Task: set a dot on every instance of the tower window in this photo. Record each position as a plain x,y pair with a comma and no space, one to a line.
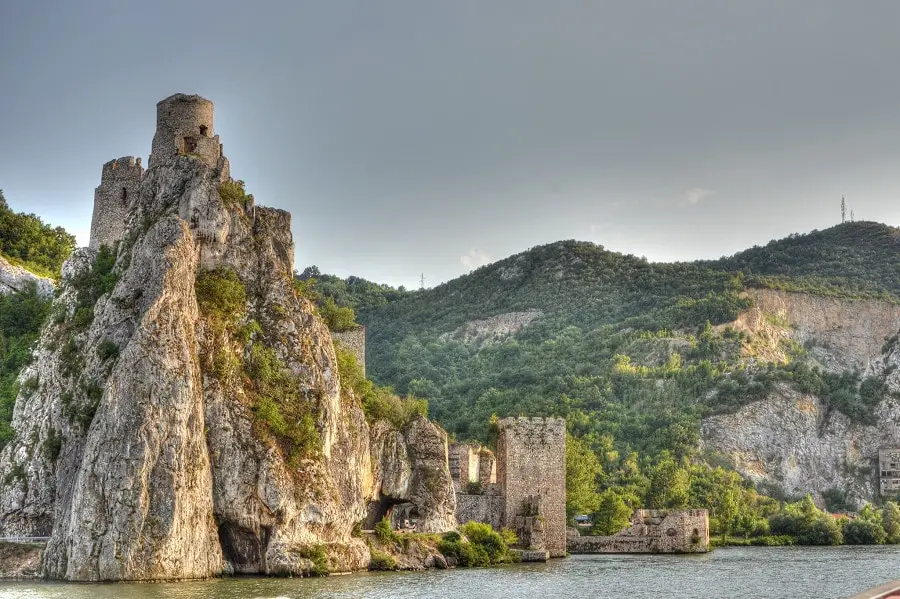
190,144
203,129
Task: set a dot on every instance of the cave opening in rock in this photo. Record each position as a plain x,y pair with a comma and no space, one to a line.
378,509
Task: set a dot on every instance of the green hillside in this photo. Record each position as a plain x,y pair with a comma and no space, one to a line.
629,351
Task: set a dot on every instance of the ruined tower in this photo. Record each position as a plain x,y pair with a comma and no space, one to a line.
184,125
120,183
531,471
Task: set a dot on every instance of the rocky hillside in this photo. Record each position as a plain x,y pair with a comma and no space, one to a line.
710,361
184,416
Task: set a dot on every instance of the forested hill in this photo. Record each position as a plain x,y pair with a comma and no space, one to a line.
595,303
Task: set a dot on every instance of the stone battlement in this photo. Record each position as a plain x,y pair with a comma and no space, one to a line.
122,165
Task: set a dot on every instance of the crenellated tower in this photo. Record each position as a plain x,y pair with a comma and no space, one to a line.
184,125
119,188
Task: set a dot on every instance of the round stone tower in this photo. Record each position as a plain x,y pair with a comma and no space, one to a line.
184,125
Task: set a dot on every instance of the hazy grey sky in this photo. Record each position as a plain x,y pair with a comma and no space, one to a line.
431,136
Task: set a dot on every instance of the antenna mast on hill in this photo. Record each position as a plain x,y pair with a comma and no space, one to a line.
422,282
843,210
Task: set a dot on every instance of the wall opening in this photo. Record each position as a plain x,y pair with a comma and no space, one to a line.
203,129
190,145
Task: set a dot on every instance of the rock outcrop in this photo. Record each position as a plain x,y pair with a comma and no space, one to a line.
792,442
411,469
169,429
493,329
15,278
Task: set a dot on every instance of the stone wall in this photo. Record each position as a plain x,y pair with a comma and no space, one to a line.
531,472
120,183
652,531
354,341
487,508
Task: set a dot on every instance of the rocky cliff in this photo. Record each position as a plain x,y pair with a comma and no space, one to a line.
15,278
184,417
791,441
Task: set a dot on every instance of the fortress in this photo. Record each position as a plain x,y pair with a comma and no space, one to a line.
184,125
522,488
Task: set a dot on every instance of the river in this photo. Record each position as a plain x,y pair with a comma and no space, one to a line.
740,572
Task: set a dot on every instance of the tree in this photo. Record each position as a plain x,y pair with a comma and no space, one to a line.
582,470
669,483
612,516
890,519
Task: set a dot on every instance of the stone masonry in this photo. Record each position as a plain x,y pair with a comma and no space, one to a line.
184,125
531,472
522,488
120,183
652,531
353,341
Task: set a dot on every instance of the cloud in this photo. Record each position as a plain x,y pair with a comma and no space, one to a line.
474,259
695,195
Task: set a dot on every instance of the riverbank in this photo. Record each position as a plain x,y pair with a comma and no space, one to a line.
746,572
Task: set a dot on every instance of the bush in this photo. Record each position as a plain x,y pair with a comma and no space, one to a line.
382,561
474,488
107,350
772,541
233,193
821,531
385,532
221,294
316,554
863,532
337,318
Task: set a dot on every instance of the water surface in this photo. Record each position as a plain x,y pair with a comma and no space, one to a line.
745,572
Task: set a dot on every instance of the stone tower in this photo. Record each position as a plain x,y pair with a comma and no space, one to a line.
119,187
531,471
184,125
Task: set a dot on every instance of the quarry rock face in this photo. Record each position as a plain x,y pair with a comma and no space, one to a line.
793,442
15,278
149,444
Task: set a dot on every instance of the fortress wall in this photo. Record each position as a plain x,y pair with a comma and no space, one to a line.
120,182
531,471
652,531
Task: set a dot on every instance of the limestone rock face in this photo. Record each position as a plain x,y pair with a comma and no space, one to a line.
15,278
410,466
143,458
791,441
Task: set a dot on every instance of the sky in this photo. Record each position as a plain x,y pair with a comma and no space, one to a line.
412,137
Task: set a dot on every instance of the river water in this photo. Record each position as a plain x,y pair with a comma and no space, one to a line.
740,572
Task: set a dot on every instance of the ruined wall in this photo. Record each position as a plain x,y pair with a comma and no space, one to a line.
354,341
120,182
652,531
531,472
487,508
